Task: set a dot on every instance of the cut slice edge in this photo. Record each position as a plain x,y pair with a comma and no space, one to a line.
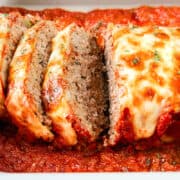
26,75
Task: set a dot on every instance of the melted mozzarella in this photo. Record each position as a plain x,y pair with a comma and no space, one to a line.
144,59
59,111
18,102
4,31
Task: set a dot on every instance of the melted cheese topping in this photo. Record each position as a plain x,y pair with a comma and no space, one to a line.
58,108
146,66
4,32
22,56
19,104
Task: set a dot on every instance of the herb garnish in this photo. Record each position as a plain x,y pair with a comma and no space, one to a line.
156,56
5,14
158,156
156,30
126,51
133,27
77,63
135,61
148,162
27,23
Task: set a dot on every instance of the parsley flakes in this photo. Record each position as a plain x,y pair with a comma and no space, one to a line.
156,56
148,162
135,61
127,51
27,23
5,14
133,26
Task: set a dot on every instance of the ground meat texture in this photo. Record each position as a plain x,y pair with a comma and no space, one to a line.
142,91
74,88
38,64
26,75
87,84
17,29
12,26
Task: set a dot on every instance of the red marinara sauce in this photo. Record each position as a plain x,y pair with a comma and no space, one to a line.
17,155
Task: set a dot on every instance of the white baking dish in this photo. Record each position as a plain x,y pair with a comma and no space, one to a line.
86,5
94,176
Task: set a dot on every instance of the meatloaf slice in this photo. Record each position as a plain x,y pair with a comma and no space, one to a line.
12,27
74,87
143,66
25,78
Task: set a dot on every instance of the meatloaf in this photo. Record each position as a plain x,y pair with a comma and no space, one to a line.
143,71
25,79
12,27
74,87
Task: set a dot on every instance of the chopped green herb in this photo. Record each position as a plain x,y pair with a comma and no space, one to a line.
156,30
62,46
158,156
156,56
133,27
126,51
5,14
23,51
148,162
77,63
135,61
178,72
76,98
27,23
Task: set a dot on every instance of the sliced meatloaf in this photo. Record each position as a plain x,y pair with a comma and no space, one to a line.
143,67
25,79
12,27
74,87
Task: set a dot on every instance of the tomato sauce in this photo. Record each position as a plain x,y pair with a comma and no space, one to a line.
18,155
